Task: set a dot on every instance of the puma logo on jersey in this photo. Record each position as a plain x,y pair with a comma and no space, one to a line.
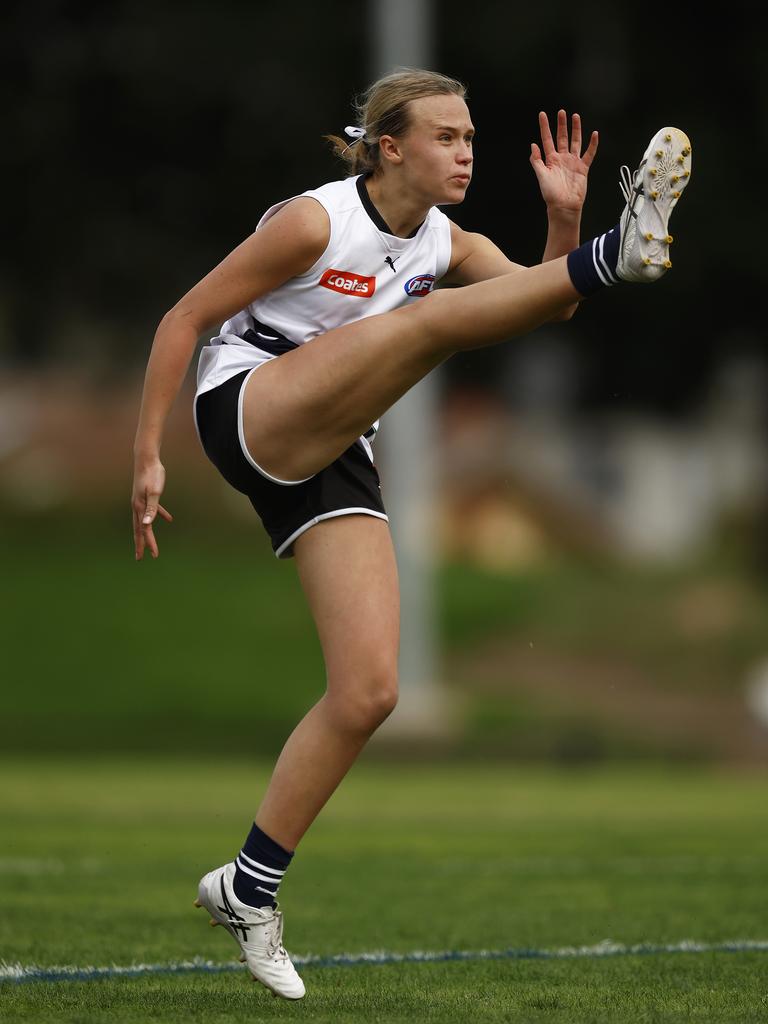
391,263
420,285
348,283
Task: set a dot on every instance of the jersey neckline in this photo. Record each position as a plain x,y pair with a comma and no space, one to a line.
373,213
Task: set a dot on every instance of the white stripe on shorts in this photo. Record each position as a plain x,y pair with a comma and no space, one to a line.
328,515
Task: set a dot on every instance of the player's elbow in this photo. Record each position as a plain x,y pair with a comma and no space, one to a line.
183,314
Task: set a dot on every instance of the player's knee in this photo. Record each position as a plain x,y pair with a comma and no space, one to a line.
376,711
361,708
435,312
365,712
384,702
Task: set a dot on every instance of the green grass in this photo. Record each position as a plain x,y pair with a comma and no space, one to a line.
101,857
107,654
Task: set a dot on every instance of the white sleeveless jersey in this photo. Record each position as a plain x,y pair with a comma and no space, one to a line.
363,271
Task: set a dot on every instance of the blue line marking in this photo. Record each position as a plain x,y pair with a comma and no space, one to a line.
20,974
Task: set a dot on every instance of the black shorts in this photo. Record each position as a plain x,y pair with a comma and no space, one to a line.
349,485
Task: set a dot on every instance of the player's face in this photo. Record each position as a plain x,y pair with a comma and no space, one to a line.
437,148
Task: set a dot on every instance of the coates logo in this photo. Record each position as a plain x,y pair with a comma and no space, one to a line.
421,285
347,283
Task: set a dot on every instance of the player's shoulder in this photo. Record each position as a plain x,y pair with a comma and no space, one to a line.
297,229
437,219
342,194
314,203
462,242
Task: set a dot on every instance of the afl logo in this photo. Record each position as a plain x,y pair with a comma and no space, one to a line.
420,285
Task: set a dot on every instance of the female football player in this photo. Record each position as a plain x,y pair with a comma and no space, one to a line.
330,314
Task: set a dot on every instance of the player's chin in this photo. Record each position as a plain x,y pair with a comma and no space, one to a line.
457,189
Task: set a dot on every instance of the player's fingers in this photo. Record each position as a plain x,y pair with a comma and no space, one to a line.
165,513
150,509
149,540
562,131
591,150
546,135
535,153
138,536
576,135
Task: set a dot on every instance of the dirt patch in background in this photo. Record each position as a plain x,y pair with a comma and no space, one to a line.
613,697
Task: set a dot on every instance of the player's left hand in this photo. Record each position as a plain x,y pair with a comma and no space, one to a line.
562,170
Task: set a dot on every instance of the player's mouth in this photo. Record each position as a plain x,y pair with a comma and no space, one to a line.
463,179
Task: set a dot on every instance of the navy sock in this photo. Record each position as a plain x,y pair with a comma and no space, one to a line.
259,869
593,265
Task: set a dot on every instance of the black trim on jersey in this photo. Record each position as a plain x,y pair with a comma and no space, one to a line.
373,213
268,339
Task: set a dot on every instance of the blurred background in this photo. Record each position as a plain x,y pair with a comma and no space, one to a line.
599,519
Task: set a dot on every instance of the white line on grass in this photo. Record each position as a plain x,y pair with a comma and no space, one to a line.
48,866
71,972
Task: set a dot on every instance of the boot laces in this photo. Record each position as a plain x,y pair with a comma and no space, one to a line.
274,938
630,189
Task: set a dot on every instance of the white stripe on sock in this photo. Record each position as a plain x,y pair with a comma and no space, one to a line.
609,272
255,874
256,864
596,265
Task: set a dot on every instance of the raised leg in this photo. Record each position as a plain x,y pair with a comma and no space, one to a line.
303,409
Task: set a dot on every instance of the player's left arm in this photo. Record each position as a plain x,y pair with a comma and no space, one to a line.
475,258
561,170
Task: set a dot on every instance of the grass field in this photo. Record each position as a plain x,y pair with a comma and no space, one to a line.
571,659
101,858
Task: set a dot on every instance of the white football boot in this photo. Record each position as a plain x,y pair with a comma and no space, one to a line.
651,194
258,932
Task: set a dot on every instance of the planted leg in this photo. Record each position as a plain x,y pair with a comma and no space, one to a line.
357,614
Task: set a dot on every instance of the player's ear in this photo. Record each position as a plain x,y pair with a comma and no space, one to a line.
389,148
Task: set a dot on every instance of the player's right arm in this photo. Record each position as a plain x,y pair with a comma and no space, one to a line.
287,245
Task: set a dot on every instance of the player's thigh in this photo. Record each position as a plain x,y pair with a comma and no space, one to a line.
348,572
302,409
329,391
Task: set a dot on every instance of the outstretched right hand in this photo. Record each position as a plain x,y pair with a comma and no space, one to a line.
148,483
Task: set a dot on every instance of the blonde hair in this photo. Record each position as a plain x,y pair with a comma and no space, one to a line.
383,110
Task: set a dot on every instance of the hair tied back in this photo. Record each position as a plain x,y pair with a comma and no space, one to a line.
356,134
